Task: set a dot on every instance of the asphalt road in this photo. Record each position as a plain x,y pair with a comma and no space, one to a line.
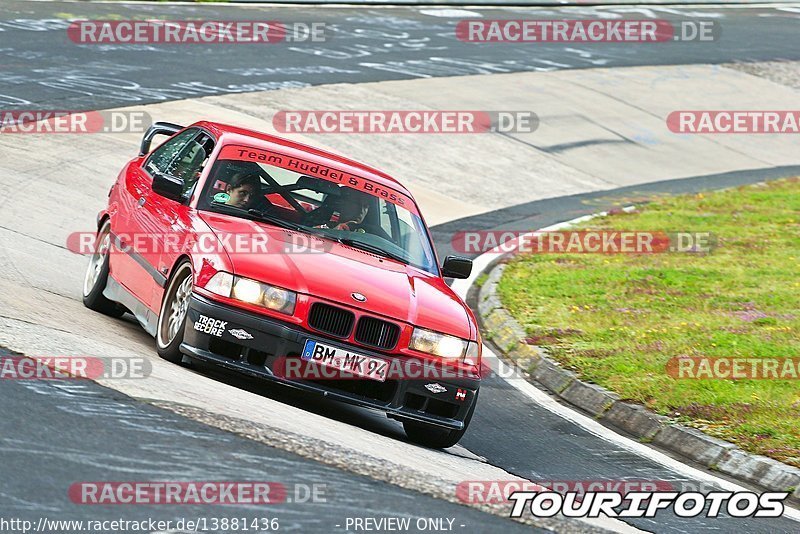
85,432
54,435
59,433
43,69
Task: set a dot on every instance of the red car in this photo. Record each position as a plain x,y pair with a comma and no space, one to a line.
282,261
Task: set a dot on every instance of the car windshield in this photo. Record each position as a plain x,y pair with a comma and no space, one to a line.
369,217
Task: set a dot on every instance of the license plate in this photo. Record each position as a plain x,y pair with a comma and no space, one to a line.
345,361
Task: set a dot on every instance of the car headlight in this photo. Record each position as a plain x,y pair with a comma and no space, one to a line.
247,290
252,292
437,344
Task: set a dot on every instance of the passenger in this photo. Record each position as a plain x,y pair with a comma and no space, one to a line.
242,189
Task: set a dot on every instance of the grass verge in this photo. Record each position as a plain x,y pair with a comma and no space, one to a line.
618,319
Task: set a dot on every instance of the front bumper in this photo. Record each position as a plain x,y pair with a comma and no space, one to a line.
262,346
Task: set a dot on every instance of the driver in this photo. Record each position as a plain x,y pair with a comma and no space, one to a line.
353,209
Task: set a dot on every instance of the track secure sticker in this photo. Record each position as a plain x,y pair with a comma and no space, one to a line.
207,325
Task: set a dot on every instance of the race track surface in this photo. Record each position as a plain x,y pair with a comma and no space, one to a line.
207,425
42,68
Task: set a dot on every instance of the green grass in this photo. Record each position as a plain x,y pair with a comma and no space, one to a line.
617,319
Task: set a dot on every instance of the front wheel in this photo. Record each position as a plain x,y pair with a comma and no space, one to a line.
94,282
172,319
436,437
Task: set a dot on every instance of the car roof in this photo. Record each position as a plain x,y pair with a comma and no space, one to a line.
227,134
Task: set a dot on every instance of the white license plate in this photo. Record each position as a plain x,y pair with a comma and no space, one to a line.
345,361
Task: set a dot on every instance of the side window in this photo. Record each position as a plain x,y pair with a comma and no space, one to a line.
410,229
162,158
190,162
387,214
184,156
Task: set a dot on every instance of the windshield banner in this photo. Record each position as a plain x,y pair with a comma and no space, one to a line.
302,166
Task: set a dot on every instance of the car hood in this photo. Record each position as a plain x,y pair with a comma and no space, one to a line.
332,271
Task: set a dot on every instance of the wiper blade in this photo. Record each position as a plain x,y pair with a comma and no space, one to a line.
260,215
277,221
355,243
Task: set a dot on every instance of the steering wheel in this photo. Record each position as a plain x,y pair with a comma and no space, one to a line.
318,216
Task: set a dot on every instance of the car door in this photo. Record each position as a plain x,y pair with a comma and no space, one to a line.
146,219
173,220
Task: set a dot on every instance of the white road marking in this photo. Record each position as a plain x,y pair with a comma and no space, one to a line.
451,13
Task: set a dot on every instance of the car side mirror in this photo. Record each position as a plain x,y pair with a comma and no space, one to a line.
456,267
168,186
159,128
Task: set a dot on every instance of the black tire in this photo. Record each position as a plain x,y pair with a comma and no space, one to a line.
169,335
96,278
437,437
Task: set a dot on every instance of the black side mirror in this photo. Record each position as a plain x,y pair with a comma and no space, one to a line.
456,267
168,186
159,128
